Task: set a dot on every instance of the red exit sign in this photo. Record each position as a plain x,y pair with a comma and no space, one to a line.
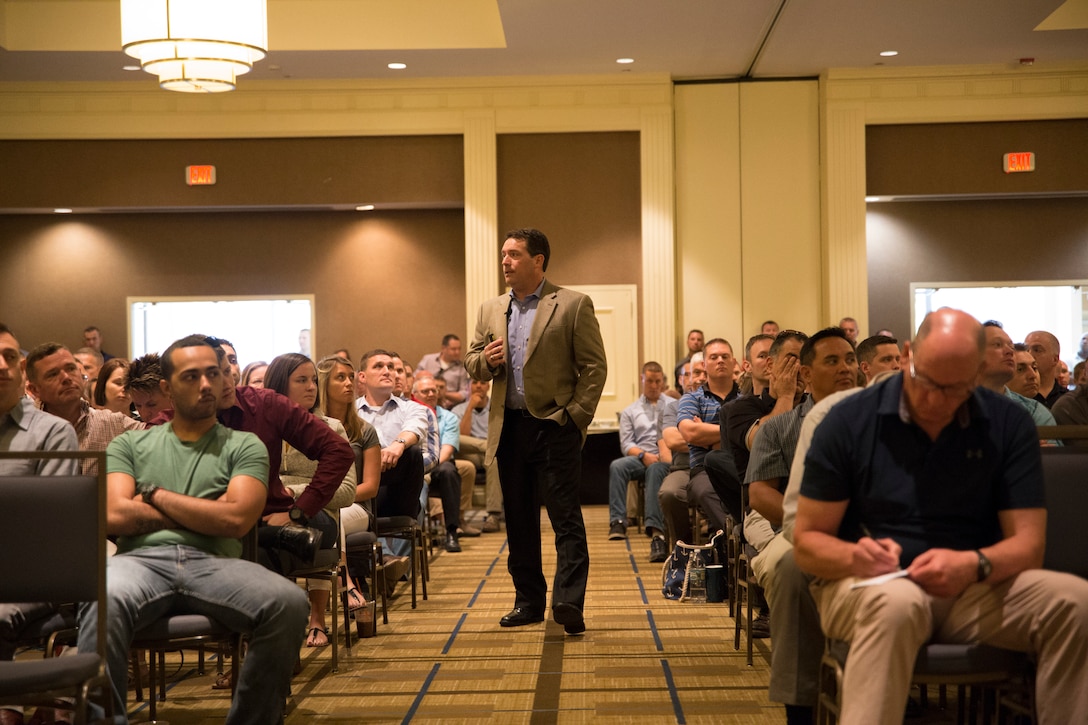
199,175
1020,161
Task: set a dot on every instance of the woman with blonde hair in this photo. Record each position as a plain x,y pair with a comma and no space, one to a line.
253,374
336,401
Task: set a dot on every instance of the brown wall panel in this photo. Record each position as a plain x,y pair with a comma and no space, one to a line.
966,241
421,170
391,279
583,190
966,158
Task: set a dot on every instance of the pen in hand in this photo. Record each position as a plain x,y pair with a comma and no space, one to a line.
865,530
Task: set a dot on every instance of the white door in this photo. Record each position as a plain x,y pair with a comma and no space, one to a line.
616,306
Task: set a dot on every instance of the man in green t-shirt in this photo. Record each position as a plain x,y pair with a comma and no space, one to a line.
180,496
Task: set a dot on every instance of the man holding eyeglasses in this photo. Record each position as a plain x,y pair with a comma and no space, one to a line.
928,475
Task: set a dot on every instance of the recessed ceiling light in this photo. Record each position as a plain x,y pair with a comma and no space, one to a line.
62,210
625,60
365,207
397,66
130,67
889,53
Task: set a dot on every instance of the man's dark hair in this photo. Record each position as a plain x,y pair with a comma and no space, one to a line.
652,367
768,322
785,336
91,328
1020,347
808,350
278,375
446,339
5,330
167,364
752,341
717,341
143,374
695,329
867,347
993,323
535,242
371,353
41,351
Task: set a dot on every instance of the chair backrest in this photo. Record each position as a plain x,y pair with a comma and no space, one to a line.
69,566
1065,475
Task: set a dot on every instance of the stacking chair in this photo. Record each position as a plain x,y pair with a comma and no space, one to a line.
408,528
61,570
742,581
365,544
326,566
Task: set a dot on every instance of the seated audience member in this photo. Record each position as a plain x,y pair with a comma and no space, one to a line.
253,374
694,344
109,391
999,367
971,553
402,428
55,379
850,327
142,386
645,458
446,364
770,327
1025,380
294,376
336,400
445,479
698,421
465,469
290,525
180,497
90,360
828,365
232,359
877,354
25,428
1046,350
1072,409
674,496
473,415
1079,376
92,338
776,389
1063,374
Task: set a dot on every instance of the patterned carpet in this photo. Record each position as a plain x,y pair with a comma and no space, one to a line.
644,659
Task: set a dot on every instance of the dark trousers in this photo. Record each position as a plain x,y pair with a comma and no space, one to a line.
541,462
446,484
401,485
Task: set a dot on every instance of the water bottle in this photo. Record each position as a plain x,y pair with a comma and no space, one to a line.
697,577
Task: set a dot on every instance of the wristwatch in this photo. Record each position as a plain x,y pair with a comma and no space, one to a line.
642,455
298,516
402,442
148,492
985,568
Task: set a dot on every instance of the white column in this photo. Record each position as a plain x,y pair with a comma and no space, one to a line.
658,237
481,213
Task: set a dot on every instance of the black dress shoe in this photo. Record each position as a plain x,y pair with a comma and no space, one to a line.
520,616
300,541
570,616
452,544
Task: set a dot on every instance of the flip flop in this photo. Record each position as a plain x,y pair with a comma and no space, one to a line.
356,600
311,641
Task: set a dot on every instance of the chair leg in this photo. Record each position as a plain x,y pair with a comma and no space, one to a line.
334,580
379,586
137,660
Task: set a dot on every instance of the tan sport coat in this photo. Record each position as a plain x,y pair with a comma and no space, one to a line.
565,366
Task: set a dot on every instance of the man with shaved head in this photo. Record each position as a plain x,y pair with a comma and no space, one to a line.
928,474
1045,348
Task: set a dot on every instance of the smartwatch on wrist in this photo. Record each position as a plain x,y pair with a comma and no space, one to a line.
985,568
298,516
148,492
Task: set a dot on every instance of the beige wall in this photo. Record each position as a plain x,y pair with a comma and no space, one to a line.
748,207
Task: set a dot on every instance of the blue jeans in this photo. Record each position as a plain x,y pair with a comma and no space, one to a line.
150,583
630,468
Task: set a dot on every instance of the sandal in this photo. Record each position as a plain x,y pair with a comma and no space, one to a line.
223,680
313,641
356,600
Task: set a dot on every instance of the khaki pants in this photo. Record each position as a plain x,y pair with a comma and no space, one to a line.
1041,612
474,450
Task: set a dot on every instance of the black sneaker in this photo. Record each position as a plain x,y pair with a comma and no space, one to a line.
761,627
658,550
617,531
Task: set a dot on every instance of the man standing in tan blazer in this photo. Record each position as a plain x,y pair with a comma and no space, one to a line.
541,345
